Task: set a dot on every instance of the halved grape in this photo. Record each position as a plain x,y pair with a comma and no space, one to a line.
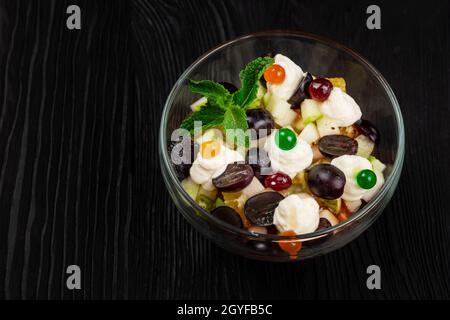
302,92
229,215
368,129
337,145
259,209
326,181
235,177
261,121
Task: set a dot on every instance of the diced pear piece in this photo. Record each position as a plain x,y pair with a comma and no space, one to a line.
310,110
190,187
365,146
326,214
377,164
327,126
253,188
353,206
281,111
310,133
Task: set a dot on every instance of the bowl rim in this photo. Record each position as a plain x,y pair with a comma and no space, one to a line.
391,180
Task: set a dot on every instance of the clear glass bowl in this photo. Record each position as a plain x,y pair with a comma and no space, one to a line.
321,57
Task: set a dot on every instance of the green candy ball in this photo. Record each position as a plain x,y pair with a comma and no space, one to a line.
285,139
366,179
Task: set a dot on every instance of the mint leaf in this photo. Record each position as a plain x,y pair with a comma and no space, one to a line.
235,125
209,115
249,80
216,93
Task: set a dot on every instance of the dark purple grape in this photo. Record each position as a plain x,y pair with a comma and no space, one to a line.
367,128
259,160
326,181
185,151
323,224
261,121
229,86
337,145
229,215
235,177
301,93
259,209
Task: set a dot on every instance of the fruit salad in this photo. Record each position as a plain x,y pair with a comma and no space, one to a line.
287,152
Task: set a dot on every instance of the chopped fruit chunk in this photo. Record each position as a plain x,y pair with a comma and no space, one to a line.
275,74
334,205
278,181
365,146
290,246
366,179
310,110
326,214
236,200
286,139
338,83
205,202
319,89
209,149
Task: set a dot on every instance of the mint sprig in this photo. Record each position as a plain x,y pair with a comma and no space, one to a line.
225,109
249,81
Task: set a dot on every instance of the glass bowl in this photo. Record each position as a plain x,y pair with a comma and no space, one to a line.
321,57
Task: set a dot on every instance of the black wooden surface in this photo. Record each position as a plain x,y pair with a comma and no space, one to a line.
79,175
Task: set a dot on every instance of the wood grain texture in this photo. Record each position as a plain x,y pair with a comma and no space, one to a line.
80,181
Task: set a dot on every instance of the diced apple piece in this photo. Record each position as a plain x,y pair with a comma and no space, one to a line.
310,110
365,146
310,133
212,194
327,126
326,214
353,206
190,187
281,111
199,103
253,188
377,164
299,124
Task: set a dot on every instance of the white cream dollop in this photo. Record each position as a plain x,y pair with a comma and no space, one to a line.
341,107
297,212
293,75
291,161
203,170
350,165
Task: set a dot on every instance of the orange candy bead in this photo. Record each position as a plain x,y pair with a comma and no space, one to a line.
275,74
290,246
209,149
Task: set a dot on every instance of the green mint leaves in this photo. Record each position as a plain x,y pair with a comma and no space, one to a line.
217,95
249,80
227,110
